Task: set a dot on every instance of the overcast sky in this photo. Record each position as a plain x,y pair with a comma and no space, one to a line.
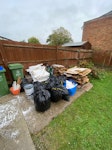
22,19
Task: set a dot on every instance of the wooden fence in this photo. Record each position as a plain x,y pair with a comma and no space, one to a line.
102,58
32,54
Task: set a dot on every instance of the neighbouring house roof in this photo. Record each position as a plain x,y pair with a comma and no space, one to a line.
75,44
109,14
106,15
4,38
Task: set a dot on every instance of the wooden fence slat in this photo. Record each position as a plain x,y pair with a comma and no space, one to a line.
32,54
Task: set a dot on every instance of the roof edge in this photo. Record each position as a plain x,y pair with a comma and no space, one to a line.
106,15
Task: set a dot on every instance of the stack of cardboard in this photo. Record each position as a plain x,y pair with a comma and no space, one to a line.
78,74
58,69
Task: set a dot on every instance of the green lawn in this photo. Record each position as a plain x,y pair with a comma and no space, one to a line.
85,125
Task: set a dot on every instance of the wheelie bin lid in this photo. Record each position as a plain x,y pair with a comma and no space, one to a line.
15,66
2,69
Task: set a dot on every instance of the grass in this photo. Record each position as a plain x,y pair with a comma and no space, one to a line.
85,125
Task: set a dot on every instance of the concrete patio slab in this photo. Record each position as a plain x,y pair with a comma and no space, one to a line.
14,133
36,121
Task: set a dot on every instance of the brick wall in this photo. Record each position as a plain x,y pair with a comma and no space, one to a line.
99,33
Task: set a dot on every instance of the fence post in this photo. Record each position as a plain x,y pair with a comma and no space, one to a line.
4,59
110,58
78,57
56,54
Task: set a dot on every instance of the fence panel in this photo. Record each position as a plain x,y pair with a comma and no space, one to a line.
32,54
103,58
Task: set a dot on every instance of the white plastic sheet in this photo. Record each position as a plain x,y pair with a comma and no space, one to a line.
70,84
38,73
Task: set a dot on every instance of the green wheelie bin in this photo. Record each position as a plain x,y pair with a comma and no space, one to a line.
16,70
4,89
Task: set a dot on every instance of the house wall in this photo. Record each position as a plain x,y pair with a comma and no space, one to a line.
99,33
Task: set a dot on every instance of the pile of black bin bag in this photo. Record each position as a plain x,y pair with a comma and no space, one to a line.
50,90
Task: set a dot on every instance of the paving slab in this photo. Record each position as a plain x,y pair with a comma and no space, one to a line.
14,133
36,121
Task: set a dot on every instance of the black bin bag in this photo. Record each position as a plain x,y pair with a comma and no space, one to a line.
38,86
50,82
59,92
65,95
42,100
